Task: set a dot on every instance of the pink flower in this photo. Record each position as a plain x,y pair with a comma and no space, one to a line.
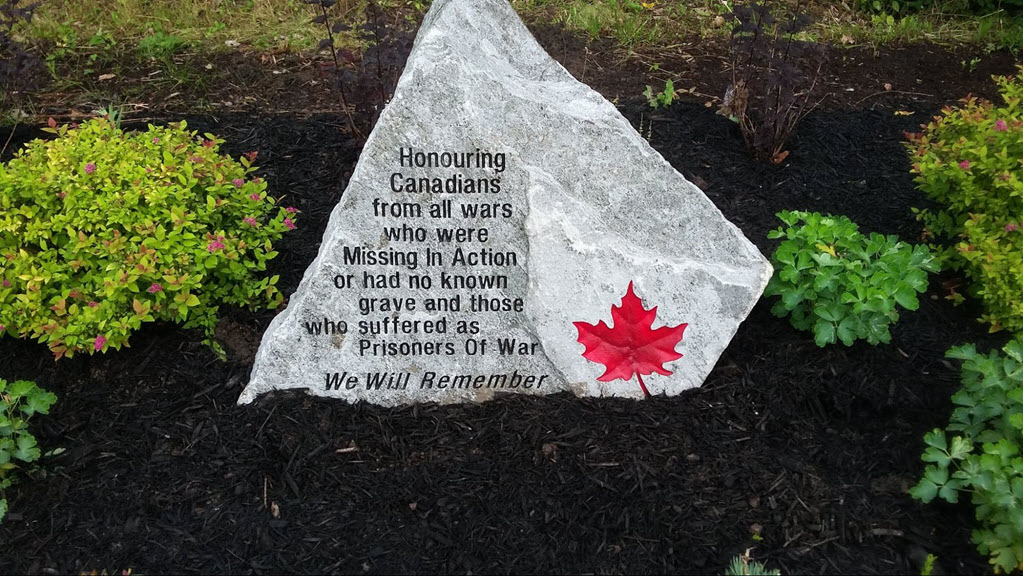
99,343
254,196
93,304
6,283
965,165
1011,227
2,327
154,288
215,245
291,209
90,168
288,222
156,140
1000,126
238,182
250,221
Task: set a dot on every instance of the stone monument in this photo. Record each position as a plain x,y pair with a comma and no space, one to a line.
498,212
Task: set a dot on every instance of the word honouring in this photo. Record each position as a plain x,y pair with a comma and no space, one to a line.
411,157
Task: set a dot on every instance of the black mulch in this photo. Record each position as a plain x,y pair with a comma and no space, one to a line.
814,449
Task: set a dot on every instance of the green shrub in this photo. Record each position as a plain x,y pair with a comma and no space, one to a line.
968,160
983,455
835,281
18,402
102,230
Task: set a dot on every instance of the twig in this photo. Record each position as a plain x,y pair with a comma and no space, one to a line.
337,72
9,137
892,92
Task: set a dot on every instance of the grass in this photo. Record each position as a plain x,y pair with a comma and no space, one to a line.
161,28
87,43
208,24
635,24
995,31
630,23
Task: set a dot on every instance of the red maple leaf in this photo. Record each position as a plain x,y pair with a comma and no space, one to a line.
631,346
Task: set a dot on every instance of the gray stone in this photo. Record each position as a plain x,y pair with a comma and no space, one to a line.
585,207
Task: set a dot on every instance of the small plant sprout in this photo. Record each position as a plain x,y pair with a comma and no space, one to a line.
662,99
744,565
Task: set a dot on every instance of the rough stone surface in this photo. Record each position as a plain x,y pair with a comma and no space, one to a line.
593,207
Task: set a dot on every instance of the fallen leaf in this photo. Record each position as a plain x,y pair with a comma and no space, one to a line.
275,510
846,39
887,86
103,77
51,122
631,346
778,158
903,113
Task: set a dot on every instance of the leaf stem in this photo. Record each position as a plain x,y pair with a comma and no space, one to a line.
642,387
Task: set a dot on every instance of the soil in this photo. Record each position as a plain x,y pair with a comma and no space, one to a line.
811,450
853,77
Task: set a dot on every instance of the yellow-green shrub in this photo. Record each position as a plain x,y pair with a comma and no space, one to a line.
102,230
968,160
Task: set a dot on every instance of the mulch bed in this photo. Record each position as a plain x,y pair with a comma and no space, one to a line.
812,449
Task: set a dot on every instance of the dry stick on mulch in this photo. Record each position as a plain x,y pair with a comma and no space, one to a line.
855,104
